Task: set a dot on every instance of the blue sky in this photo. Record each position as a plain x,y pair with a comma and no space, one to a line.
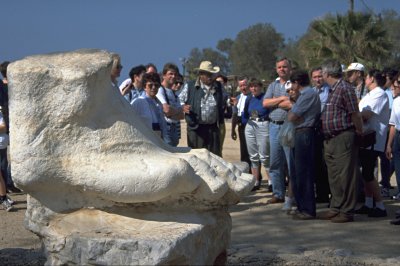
155,31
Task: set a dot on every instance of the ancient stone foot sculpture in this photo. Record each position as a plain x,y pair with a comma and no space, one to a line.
77,143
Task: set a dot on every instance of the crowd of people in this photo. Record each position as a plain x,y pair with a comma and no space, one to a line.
340,126
329,113
340,129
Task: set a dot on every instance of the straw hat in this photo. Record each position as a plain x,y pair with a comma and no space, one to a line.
208,67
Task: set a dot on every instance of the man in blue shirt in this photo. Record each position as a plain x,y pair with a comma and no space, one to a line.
320,86
321,173
304,115
132,88
277,100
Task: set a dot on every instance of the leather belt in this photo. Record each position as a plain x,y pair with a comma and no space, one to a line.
276,122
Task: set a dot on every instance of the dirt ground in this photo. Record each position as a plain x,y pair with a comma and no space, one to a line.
261,234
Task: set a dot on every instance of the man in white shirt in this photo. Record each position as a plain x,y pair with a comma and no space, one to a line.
173,111
355,73
239,103
374,109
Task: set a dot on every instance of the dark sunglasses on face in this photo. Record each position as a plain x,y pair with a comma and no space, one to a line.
151,85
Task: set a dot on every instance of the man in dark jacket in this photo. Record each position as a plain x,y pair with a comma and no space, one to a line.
206,110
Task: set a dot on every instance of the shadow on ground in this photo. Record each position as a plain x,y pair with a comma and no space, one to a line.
21,256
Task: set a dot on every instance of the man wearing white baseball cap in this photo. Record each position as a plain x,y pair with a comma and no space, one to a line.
355,76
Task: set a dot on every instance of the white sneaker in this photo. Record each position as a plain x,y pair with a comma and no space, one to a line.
396,197
10,200
288,204
6,205
293,211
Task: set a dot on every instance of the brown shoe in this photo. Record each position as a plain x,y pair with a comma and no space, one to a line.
274,200
303,216
327,215
342,218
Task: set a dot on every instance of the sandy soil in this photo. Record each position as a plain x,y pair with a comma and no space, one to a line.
262,234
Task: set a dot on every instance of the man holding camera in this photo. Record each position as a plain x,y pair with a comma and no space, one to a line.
205,113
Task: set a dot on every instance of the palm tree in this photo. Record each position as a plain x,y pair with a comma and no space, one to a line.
354,37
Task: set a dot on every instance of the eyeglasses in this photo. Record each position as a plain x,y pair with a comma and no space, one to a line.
152,85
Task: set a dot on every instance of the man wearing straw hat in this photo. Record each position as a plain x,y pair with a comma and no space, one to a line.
206,109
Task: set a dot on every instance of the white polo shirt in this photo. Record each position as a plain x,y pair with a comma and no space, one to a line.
377,102
395,115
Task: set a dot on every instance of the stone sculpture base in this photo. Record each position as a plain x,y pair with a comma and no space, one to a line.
128,237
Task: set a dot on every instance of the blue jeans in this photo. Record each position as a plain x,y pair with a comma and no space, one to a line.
303,176
172,136
278,154
396,157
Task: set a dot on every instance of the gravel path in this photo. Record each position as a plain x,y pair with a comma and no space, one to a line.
265,235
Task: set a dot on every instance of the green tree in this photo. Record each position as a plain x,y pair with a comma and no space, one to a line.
225,45
291,51
391,21
253,52
354,37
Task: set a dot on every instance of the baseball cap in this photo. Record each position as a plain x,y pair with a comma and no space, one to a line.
355,66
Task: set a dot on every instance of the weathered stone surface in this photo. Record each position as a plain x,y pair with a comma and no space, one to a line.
105,189
90,236
76,142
